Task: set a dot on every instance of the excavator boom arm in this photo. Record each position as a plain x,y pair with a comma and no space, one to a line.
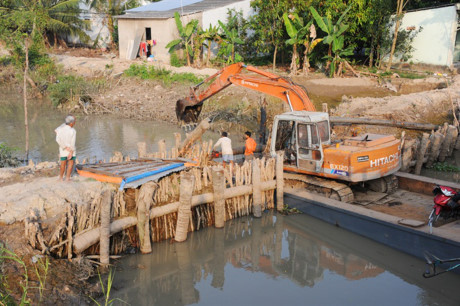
188,109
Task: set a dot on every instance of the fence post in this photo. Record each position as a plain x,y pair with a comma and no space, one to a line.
279,181
141,149
218,184
162,148
105,228
256,191
143,202
187,184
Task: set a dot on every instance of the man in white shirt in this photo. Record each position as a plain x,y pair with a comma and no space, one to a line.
227,151
65,137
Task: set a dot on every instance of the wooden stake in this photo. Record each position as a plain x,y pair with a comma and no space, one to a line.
144,202
436,145
162,148
218,183
141,149
256,192
421,153
105,228
279,181
187,185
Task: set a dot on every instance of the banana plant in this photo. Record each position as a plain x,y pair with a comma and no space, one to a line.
211,34
230,38
334,38
186,37
297,31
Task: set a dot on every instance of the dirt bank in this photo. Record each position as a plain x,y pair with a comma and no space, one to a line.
35,190
153,100
432,106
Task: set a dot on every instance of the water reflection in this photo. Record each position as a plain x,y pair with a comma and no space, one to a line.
278,260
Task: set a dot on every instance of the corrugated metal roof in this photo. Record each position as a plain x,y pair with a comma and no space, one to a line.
191,8
162,6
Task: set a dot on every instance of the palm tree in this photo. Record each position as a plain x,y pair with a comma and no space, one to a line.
62,17
110,8
186,37
231,38
211,35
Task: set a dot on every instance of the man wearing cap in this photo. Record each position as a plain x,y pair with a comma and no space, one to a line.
65,137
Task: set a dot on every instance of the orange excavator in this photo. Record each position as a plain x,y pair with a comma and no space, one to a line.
310,156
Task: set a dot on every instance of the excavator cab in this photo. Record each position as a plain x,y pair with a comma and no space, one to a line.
301,136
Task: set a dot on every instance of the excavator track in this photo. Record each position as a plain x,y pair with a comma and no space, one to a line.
331,189
387,184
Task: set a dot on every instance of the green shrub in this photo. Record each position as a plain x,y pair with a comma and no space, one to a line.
166,76
7,156
66,87
5,60
175,61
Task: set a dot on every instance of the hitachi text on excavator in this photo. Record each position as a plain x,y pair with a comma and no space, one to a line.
310,156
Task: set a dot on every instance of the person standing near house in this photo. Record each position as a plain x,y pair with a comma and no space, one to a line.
250,146
65,137
226,145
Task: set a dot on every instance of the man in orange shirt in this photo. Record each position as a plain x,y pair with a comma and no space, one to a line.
250,146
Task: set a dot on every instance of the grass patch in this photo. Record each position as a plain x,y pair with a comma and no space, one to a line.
167,77
69,88
444,167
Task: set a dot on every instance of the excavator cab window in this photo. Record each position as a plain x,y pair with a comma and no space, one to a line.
309,141
286,141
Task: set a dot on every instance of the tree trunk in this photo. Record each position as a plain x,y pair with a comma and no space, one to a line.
294,60
55,41
371,53
188,55
274,57
110,28
400,7
306,62
26,121
208,56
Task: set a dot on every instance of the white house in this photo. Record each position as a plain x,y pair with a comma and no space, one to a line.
155,21
437,43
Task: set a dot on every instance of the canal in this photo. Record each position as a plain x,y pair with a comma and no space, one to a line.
279,260
97,136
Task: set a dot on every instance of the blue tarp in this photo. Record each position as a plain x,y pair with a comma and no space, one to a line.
137,180
162,6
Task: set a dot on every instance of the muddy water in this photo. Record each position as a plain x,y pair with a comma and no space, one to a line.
97,136
279,260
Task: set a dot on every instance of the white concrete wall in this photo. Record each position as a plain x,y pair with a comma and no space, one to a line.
163,31
211,17
436,42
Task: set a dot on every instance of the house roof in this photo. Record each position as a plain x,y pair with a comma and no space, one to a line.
166,8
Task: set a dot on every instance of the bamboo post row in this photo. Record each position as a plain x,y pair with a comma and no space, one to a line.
87,238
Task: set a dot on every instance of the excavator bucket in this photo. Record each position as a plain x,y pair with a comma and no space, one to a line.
186,112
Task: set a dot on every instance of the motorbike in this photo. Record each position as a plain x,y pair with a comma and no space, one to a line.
445,205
